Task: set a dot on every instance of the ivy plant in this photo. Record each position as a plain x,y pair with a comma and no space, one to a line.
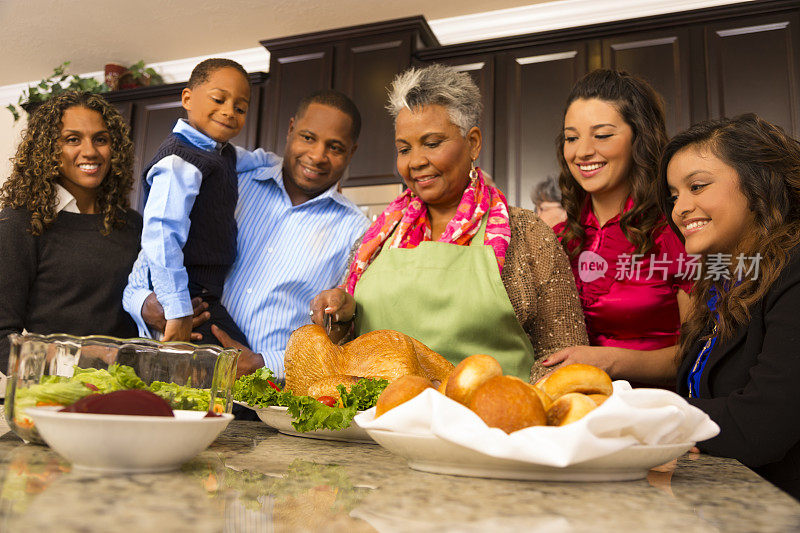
57,82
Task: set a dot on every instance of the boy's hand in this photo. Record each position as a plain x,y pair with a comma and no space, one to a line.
178,329
153,314
249,361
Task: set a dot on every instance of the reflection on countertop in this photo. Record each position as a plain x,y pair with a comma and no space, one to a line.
253,479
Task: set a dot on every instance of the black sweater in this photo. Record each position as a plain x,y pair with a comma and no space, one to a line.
67,280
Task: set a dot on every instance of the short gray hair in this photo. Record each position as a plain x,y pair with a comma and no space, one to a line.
437,85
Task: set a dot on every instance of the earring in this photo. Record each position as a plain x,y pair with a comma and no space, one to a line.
473,173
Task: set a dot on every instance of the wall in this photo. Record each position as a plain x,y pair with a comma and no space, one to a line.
10,135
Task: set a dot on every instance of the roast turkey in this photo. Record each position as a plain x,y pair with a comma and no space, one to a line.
314,365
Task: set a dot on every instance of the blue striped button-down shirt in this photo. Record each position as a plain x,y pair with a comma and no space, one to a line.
286,255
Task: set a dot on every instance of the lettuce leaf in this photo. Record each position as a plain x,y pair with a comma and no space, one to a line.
53,379
364,394
255,389
307,413
126,377
63,393
59,390
181,396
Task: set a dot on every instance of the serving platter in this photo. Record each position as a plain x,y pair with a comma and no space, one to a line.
280,419
429,453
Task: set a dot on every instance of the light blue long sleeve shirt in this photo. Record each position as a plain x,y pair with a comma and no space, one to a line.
174,185
285,256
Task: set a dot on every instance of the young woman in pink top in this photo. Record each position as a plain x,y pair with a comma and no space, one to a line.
630,268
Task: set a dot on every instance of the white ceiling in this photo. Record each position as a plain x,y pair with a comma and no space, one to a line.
37,35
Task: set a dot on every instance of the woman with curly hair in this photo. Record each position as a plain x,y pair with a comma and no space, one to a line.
732,188
67,236
627,262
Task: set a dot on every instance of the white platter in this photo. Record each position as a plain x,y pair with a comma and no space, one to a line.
279,418
429,453
127,444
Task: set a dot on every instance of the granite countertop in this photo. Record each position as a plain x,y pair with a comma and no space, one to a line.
253,479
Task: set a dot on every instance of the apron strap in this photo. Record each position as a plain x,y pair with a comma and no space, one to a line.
479,238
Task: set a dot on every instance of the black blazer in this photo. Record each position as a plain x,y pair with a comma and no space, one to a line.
751,385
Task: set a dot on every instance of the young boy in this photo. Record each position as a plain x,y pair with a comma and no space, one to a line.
189,234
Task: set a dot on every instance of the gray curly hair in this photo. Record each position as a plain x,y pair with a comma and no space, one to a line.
437,85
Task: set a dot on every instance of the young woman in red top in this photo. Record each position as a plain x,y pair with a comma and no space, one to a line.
630,268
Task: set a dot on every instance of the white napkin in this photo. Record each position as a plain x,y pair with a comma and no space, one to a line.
628,417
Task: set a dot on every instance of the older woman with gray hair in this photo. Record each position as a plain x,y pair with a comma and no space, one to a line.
448,262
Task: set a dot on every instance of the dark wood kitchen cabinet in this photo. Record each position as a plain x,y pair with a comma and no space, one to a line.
706,63
753,64
663,59
533,85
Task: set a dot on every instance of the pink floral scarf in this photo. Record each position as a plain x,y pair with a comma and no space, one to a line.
406,221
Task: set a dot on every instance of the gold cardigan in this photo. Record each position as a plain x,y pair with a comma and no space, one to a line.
539,282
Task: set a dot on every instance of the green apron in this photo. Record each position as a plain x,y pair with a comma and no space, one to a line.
447,296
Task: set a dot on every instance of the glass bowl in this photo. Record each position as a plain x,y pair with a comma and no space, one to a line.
188,376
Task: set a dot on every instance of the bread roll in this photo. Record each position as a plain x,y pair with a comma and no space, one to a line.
443,385
578,377
539,381
543,397
508,403
569,408
470,374
598,398
400,391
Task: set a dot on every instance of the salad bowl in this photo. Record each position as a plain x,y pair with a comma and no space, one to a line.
60,369
127,444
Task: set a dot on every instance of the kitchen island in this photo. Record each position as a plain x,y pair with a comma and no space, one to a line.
253,479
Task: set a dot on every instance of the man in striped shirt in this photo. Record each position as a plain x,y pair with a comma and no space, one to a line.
295,233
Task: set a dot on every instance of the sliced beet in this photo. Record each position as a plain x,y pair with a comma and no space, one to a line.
123,402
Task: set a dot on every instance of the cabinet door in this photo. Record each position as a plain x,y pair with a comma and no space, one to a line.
294,74
481,69
662,58
126,110
364,71
753,67
153,120
532,86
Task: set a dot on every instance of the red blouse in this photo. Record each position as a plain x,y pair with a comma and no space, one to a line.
629,301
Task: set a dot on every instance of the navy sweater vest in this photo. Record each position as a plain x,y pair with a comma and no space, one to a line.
210,248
